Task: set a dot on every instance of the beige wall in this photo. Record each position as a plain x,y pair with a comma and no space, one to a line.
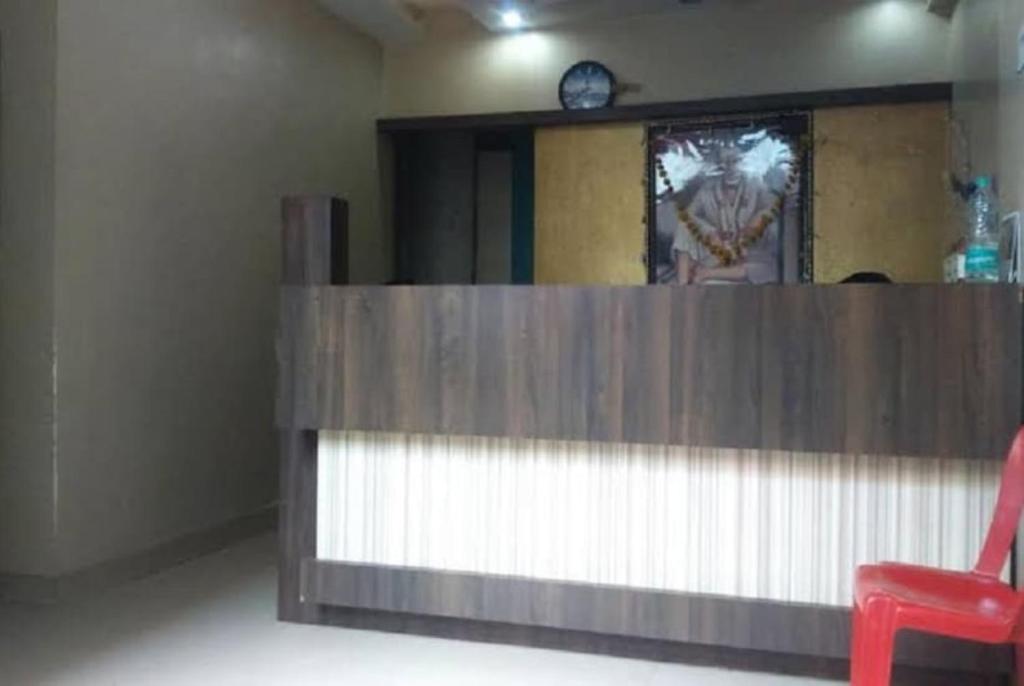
27,70
1011,107
711,50
179,126
975,68
988,105
989,95
590,205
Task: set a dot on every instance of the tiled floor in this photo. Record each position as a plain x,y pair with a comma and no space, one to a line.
212,622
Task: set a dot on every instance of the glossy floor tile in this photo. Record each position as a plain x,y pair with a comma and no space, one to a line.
212,621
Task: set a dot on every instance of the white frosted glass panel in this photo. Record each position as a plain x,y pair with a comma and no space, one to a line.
757,524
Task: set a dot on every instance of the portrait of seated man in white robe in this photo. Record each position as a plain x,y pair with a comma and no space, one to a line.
728,206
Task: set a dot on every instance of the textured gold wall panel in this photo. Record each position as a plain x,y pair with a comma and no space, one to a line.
880,196
590,205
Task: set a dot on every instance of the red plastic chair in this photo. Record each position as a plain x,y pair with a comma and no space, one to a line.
974,605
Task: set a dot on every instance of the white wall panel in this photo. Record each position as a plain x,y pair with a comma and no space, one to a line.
756,524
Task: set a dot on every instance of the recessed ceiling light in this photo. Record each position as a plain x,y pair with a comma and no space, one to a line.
512,19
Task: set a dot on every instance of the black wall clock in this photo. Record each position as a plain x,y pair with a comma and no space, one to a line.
587,86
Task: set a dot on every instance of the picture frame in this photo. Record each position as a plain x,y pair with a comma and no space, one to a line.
730,200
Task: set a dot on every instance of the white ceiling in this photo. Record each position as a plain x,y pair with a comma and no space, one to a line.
545,13
389,21
397,21
401,21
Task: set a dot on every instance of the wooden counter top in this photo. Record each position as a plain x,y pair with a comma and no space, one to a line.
898,370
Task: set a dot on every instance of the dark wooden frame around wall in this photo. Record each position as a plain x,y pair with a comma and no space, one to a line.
805,100
404,131
782,637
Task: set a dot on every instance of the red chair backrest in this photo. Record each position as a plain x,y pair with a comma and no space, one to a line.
1008,507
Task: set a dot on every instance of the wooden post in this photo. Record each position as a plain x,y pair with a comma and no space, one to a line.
314,249
314,252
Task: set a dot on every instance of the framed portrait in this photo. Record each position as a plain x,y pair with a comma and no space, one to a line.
729,201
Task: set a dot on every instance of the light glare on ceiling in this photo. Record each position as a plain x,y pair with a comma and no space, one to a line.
512,19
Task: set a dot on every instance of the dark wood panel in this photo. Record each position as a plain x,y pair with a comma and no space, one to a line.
435,222
638,648
898,370
883,95
756,625
297,524
314,252
314,247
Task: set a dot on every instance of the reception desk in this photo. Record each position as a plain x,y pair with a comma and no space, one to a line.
677,473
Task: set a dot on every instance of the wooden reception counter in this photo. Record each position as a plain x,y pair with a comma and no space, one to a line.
375,383
893,370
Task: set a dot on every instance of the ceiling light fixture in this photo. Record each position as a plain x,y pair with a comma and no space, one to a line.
512,19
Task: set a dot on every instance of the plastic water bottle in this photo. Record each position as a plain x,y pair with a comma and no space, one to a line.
982,259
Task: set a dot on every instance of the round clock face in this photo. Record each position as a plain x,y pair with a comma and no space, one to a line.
587,86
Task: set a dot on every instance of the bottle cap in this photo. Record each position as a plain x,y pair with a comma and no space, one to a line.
982,182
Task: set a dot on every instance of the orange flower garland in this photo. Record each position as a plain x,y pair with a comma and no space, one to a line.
726,254
733,252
